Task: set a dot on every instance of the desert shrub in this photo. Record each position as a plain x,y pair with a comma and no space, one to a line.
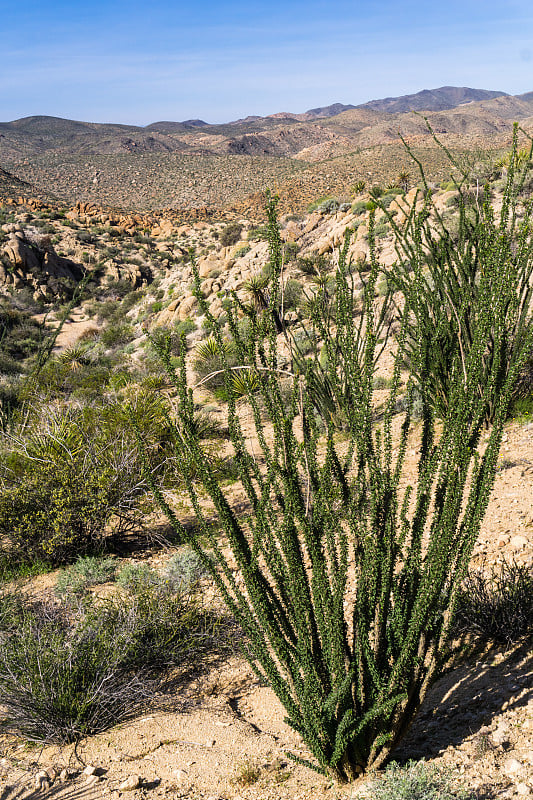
292,294
211,358
170,340
328,206
497,603
82,370
75,670
258,233
466,197
106,310
130,299
184,327
290,251
359,207
324,205
138,578
359,187
52,514
184,570
20,338
86,237
231,234
376,191
86,571
416,780
314,264
11,401
207,425
242,251
116,335
71,478
343,577
382,229
381,382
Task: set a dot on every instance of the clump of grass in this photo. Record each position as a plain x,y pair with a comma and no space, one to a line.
417,780
247,772
497,605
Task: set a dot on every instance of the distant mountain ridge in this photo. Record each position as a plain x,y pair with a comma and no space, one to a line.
442,99
87,160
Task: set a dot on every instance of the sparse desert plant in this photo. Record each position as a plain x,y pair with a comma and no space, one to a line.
184,570
332,520
246,773
497,603
138,578
258,233
416,780
242,251
314,264
359,207
77,669
86,571
290,251
359,187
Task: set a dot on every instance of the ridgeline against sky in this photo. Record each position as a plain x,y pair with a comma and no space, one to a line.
137,62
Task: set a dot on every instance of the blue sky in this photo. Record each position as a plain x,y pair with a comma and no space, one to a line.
132,62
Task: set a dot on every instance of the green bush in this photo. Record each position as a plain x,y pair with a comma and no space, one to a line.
258,233
138,578
314,264
292,294
75,476
184,570
242,251
231,234
290,251
20,338
117,335
185,327
359,207
210,359
324,205
52,514
343,577
107,310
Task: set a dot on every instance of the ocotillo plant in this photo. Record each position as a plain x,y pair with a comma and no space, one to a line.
342,577
444,264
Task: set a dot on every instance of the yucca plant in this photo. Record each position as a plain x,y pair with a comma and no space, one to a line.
344,577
